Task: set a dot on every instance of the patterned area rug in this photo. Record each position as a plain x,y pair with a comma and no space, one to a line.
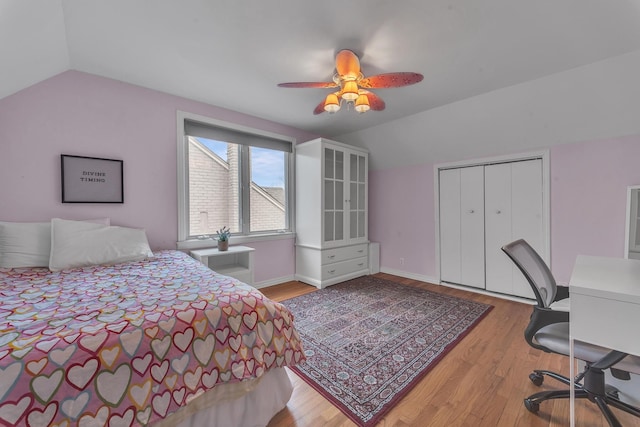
368,341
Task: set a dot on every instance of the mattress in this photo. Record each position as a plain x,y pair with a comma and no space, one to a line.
132,343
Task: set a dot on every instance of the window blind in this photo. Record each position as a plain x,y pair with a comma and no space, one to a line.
204,130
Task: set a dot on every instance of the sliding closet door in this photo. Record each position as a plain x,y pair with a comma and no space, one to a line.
472,226
513,203
462,226
526,208
499,274
450,251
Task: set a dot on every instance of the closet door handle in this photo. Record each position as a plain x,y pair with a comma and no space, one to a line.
471,211
498,211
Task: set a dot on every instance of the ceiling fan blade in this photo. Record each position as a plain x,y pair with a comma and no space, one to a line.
375,102
388,80
320,85
319,109
347,64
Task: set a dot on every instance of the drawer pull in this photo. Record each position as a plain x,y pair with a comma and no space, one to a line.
360,251
331,256
332,271
361,264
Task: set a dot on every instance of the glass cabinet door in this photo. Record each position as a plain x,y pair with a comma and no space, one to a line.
333,195
357,196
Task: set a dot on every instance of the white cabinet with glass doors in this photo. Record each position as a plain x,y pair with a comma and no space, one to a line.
331,212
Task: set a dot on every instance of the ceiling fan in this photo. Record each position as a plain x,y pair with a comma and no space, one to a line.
353,85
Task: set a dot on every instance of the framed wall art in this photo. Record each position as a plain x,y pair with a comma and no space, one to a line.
91,180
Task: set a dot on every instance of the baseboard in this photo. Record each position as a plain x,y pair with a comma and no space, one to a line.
399,273
323,284
308,280
436,281
408,275
489,293
272,282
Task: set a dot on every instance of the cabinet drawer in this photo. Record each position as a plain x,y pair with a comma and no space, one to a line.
343,254
344,267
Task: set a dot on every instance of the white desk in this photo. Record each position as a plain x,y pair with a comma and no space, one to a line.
605,305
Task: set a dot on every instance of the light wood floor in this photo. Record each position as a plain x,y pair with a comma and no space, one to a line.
481,382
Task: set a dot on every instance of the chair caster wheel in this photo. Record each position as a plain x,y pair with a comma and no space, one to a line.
536,378
531,406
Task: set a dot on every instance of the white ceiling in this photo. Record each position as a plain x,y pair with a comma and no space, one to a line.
232,53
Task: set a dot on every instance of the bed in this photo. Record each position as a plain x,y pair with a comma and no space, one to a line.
160,341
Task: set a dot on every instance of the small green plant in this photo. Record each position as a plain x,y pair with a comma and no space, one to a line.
223,234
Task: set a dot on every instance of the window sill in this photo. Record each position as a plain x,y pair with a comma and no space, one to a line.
207,243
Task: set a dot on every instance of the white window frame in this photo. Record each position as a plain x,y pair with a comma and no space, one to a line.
184,242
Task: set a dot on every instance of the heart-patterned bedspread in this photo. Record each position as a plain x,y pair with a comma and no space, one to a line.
131,343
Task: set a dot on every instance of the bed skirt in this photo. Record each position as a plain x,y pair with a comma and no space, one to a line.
249,403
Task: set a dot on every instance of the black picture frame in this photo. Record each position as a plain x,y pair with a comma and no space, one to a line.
91,179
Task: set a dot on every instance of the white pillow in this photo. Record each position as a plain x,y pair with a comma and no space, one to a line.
28,244
80,244
24,244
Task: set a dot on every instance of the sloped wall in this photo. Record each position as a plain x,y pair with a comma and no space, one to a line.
587,118
588,207
82,114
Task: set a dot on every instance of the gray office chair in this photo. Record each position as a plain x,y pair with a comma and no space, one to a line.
548,330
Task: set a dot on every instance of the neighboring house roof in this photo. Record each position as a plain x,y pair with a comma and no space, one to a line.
274,195
265,192
208,152
276,192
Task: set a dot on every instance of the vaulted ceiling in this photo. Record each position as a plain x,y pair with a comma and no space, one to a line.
233,53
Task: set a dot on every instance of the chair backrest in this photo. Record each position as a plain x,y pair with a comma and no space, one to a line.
535,270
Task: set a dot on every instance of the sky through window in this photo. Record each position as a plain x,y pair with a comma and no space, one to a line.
267,166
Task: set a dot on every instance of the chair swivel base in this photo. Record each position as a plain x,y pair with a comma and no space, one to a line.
606,396
537,377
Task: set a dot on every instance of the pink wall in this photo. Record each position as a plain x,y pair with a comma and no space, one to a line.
588,201
401,218
274,259
82,114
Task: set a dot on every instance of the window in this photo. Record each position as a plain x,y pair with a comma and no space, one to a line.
232,176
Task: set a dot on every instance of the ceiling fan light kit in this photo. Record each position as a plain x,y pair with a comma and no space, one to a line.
352,85
362,104
350,91
331,103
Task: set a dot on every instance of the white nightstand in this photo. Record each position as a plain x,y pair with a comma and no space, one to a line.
236,262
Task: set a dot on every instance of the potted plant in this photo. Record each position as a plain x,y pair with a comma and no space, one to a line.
223,236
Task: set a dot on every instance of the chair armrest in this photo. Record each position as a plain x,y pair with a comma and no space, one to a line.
562,292
541,317
609,360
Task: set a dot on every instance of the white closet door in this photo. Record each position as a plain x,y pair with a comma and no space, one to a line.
526,194
462,226
499,274
450,252
513,205
472,226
